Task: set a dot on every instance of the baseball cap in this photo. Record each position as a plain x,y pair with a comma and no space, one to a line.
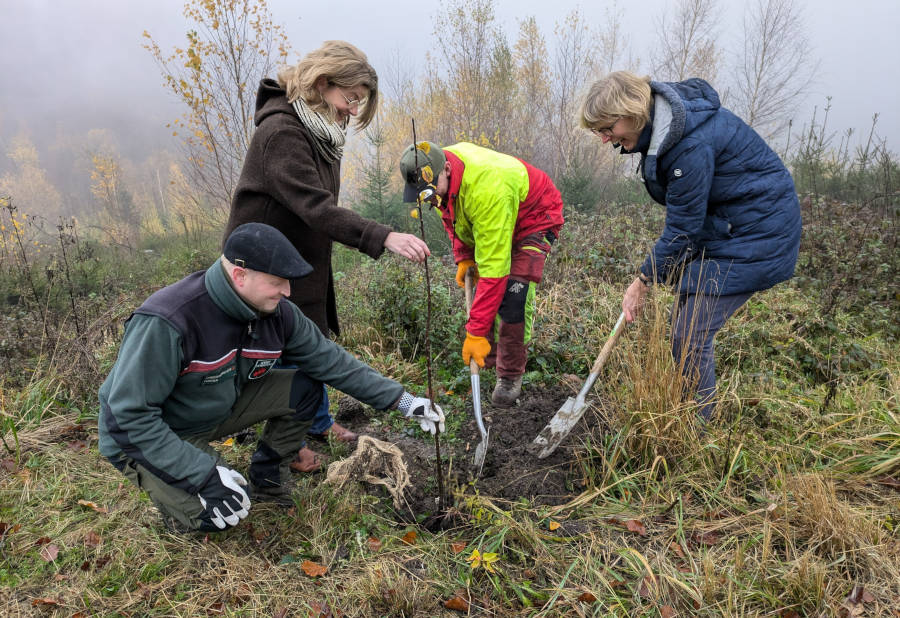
261,247
420,166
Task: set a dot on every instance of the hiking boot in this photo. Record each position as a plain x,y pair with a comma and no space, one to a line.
282,495
506,392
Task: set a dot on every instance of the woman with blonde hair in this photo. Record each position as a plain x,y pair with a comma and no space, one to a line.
291,181
732,215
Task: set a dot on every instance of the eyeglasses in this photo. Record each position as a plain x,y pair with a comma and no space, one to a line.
352,102
606,131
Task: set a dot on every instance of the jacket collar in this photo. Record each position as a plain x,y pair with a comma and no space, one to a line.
457,167
224,295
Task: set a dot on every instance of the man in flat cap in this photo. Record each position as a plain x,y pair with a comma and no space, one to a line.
197,363
501,215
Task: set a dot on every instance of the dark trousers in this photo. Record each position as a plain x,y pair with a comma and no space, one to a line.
696,318
286,399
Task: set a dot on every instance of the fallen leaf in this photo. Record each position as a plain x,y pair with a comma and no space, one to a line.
92,539
675,547
60,577
42,541
102,561
457,603
93,505
8,464
635,525
457,546
646,586
867,597
49,552
487,559
86,565
667,611
313,569
409,538
706,538
587,597
553,525
51,602
788,613
228,442
216,608
79,615
281,612
5,528
374,544
529,574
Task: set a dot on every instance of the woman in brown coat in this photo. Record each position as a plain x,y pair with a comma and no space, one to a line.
291,180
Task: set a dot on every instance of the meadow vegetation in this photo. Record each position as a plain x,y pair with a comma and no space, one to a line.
786,505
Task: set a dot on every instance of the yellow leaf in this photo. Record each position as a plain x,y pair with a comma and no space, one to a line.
489,558
228,442
474,559
414,213
554,525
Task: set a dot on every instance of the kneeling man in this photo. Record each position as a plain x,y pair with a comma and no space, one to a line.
197,363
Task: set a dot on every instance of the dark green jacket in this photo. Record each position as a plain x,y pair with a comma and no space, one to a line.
187,353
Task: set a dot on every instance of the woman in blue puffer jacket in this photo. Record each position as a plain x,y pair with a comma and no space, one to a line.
732,215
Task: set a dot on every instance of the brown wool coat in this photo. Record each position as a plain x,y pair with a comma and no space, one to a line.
287,184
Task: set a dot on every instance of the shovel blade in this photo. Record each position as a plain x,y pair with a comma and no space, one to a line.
559,426
481,452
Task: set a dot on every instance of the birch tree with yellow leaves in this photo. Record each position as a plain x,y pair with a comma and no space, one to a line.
234,44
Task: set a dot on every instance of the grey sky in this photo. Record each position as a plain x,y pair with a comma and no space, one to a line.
80,64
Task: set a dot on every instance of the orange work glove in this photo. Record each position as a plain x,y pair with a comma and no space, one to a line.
461,269
475,347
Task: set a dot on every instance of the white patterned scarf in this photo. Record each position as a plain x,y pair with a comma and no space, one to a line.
328,136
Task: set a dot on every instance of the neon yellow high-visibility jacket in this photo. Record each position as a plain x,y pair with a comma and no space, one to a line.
494,200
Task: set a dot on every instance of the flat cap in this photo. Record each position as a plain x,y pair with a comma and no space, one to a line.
261,247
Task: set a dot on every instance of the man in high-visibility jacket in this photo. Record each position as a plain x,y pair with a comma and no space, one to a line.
502,216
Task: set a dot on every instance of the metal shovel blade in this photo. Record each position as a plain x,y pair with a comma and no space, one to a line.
559,426
481,449
571,412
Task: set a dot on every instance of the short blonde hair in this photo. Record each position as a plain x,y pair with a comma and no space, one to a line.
620,94
342,65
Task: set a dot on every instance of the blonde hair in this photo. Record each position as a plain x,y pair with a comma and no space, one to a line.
620,94
342,65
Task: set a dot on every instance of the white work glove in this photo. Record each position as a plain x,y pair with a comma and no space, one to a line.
429,415
224,501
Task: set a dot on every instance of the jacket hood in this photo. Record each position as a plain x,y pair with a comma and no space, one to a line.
678,109
271,99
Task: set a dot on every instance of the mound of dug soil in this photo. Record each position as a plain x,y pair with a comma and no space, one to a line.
510,471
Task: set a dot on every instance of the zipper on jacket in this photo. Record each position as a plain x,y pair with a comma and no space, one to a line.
237,360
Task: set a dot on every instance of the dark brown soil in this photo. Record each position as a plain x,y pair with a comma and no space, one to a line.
510,471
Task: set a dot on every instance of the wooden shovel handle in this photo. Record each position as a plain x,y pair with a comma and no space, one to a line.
610,343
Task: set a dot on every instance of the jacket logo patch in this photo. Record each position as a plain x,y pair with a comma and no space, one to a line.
516,287
260,368
219,376
677,172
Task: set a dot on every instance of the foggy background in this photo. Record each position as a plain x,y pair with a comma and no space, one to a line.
70,67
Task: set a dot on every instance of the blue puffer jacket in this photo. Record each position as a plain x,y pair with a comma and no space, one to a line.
732,213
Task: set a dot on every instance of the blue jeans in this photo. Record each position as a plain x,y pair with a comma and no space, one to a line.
323,420
696,320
